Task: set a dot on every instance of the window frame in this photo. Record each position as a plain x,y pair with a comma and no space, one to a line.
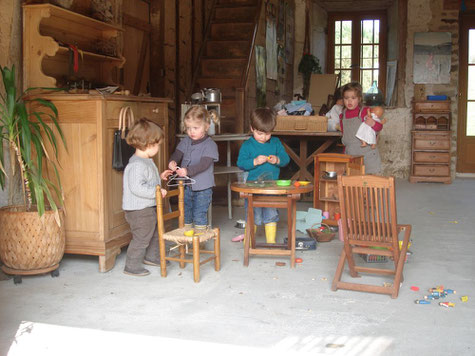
357,18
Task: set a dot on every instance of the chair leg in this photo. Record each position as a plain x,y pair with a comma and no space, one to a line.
182,255
217,251
398,277
339,270
196,258
163,261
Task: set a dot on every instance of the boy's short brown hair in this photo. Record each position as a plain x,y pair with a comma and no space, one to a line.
143,134
353,86
263,119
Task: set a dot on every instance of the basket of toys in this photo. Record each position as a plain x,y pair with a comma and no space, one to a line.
322,233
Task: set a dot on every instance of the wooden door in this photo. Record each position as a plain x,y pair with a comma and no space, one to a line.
466,102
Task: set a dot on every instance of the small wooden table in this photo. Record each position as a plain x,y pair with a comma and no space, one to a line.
303,159
270,197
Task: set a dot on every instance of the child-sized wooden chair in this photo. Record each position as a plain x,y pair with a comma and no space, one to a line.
369,221
177,236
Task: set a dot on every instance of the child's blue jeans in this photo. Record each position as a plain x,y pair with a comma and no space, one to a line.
263,215
197,205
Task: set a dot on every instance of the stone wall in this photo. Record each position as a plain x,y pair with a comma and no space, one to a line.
429,16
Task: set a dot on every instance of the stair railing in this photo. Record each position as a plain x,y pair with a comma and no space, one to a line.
241,92
201,51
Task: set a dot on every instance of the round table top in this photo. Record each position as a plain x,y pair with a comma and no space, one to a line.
271,189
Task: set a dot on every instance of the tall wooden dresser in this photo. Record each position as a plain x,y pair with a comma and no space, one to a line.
431,137
95,223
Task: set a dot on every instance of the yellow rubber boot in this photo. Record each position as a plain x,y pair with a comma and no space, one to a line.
271,230
245,230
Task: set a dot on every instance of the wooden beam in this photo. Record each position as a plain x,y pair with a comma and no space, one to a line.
402,52
141,63
129,20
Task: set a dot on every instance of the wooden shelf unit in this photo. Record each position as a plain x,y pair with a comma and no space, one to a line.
47,32
325,193
95,223
431,141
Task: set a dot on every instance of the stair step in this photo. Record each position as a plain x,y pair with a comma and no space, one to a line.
236,2
227,49
234,14
228,107
231,68
228,125
228,86
231,31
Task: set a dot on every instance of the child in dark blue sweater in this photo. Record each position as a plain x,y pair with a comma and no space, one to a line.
260,154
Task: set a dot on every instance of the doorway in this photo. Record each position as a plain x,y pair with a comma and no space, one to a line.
466,100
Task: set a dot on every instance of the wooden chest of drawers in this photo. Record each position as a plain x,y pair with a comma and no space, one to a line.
95,223
430,156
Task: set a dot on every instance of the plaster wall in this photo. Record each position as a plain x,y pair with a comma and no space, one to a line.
298,45
10,51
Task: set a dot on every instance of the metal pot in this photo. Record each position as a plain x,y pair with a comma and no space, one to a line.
197,97
330,174
212,95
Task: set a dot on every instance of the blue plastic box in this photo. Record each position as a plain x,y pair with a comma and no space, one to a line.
436,97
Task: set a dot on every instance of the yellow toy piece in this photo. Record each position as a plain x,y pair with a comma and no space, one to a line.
189,233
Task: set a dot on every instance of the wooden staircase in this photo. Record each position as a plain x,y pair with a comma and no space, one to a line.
225,55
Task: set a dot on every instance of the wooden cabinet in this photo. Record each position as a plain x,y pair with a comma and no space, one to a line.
95,223
430,157
431,141
326,189
50,32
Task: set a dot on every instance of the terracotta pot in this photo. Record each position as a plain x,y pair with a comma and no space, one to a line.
30,244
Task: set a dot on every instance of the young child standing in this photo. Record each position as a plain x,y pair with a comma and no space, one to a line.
334,114
138,201
351,118
260,154
196,153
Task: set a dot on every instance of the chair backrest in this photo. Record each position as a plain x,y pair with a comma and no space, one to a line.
368,210
179,213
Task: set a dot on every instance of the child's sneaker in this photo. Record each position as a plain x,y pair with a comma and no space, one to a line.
140,272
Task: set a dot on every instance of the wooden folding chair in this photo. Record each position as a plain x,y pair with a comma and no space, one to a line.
177,236
369,221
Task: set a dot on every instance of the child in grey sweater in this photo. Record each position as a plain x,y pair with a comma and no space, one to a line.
138,201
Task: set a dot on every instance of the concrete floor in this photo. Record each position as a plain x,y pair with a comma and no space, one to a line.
261,308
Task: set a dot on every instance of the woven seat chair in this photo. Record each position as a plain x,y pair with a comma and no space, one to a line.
369,221
177,236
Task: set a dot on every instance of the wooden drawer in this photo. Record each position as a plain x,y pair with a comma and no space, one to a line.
432,157
113,109
153,111
431,141
431,170
432,106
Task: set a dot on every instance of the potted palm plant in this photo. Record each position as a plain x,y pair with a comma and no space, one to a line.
32,237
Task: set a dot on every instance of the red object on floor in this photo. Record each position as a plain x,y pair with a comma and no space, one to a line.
414,288
298,260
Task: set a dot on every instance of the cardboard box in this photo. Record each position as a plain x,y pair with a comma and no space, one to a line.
321,85
301,123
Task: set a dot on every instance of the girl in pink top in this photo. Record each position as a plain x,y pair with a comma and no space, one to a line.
350,120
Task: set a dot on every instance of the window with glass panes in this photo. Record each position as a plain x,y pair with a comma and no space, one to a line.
357,48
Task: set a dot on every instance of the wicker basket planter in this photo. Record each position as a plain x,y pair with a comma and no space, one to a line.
30,244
